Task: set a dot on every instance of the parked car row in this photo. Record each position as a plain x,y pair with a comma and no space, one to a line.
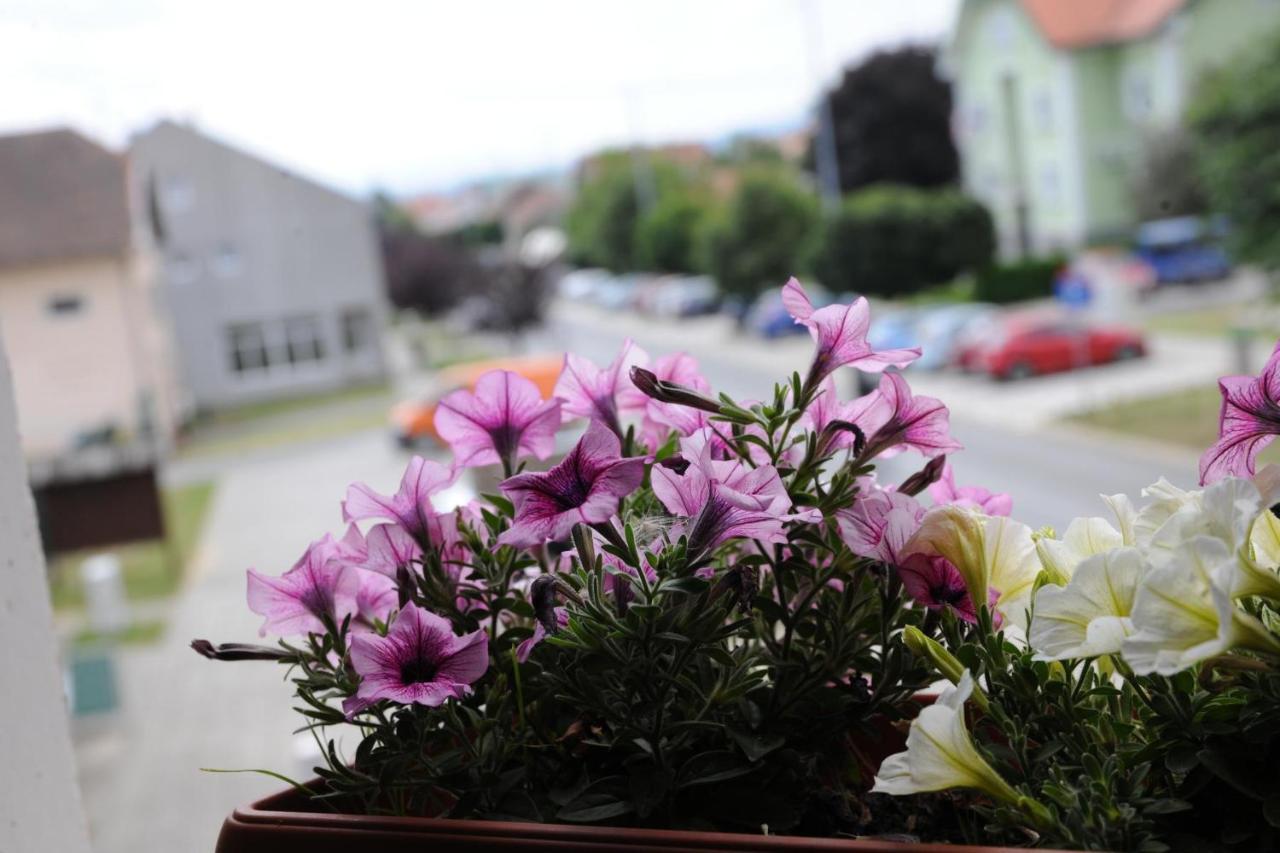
657,295
1005,344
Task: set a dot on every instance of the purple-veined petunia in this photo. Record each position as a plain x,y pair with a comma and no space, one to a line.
1248,421
945,491
528,644
584,488
933,582
903,420
841,335
588,391
420,661
410,506
316,589
390,548
720,500
376,597
879,523
505,419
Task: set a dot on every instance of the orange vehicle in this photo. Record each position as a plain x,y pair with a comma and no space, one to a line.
414,420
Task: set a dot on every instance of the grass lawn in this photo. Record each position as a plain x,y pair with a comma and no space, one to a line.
276,423
1188,418
151,569
1218,321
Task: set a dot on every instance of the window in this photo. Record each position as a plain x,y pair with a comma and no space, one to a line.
357,329
65,304
247,345
302,336
183,269
226,261
1042,109
179,195
1050,185
1137,95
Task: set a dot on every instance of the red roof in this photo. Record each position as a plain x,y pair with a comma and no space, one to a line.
1072,24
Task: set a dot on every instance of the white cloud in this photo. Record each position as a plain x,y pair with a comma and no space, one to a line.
411,94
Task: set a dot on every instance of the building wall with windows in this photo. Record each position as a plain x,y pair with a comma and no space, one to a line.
274,283
87,336
1078,88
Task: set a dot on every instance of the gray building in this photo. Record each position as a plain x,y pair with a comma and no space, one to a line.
274,284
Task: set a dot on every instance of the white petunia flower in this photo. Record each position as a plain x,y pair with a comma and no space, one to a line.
1084,538
940,754
1183,612
1089,616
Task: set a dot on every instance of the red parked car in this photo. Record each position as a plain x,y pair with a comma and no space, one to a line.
1018,347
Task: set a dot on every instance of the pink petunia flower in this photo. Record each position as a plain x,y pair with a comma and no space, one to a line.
420,661
410,506
722,499
1248,421
879,523
299,601
503,420
587,391
841,334
376,597
933,582
829,417
896,419
945,491
527,645
586,487
390,549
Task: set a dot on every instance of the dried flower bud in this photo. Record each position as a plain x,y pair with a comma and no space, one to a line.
925,477
670,392
834,428
675,463
542,595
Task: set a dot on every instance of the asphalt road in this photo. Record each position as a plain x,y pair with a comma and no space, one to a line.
1054,474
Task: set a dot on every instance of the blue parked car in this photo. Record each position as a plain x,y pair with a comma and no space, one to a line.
1183,249
768,317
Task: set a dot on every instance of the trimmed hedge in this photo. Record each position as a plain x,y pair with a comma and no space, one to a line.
1017,282
893,241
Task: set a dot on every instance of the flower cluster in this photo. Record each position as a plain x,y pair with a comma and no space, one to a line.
1114,616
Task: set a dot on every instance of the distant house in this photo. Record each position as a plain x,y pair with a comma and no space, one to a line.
273,282
1054,99
79,314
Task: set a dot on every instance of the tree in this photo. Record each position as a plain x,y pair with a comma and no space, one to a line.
1166,182
892,119
666,236
893,241
763,235
1235,120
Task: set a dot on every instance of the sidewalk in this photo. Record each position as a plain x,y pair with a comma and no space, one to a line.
140,770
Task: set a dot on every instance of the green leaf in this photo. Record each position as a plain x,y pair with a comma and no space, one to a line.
1182,759
715,766
756,747
590,808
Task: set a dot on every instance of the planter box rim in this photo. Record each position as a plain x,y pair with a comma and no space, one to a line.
273,820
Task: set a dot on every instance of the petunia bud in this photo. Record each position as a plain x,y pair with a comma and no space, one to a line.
832,430
239,651
925,477
947,665
671,392
675,463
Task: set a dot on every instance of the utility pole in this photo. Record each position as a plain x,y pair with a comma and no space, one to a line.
826,157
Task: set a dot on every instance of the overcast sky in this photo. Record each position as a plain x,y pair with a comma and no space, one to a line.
420,95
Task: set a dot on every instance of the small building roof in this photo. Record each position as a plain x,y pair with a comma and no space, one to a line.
62,196
1087,23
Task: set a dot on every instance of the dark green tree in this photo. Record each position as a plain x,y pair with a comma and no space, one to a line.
892,119
763,235
1235,119
893,240
666,236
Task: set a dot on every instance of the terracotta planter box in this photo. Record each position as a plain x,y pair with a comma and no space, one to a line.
287,823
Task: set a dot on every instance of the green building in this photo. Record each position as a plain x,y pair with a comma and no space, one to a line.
1055,100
